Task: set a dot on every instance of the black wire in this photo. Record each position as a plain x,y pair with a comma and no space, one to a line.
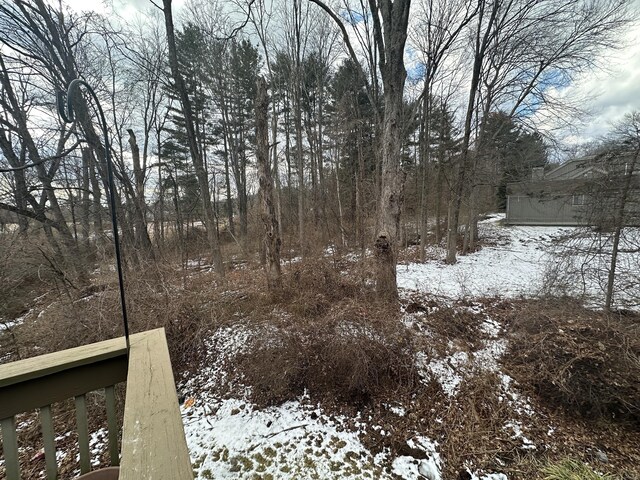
68,116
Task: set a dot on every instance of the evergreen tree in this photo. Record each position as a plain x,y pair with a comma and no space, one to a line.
513,150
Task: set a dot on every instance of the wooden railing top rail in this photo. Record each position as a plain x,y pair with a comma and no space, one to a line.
153,441
50,363
54,377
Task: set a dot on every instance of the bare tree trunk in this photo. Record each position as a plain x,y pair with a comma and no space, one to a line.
96,208
359,193
481,42
619,225
300,166
425,142
271,240
321,182
473,218
390,23
85,205
391,37
391,197
338,196
298,122
276,171
201,174
227,183
140,207
438,211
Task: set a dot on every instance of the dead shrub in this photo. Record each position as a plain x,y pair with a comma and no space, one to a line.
353,353
154,300
457,326
585,361
326,333
310,287
25,273
473,427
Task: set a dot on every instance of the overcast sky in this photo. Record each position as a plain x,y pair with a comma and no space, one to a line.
611,93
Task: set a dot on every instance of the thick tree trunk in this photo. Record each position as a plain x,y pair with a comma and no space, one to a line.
276,170
268,214
390,41
390,203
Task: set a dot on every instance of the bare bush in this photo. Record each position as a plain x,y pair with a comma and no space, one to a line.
585,361
345,357
156,297
28,267
580,267
330,337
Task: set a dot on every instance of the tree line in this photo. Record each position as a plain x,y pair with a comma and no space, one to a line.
361,124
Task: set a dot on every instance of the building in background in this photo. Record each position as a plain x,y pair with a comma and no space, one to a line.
582,191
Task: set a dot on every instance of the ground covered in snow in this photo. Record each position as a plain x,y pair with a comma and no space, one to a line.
526,261
229,437
461,413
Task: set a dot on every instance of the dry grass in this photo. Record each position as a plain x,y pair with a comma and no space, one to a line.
156,297
326,334
584,361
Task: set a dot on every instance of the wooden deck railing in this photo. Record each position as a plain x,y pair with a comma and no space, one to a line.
153,442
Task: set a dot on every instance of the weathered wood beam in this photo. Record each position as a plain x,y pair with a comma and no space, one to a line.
153,441
27,390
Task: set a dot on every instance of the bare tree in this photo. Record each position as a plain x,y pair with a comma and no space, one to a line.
271,240
198,163
390,25
521,47
436,32
599,261
620,195
15,123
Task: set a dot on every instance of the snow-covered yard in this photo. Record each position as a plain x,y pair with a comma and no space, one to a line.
512,265
526,261
231,438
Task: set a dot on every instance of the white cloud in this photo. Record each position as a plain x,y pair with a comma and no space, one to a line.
609,94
